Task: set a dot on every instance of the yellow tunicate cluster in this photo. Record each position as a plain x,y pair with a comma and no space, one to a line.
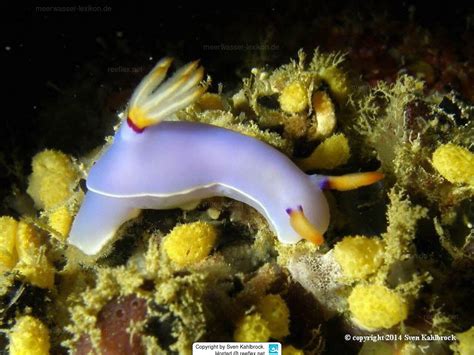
454,163
252,328
465,343
52,180
20,251
330,154
29,336
275,311
291,350
337,82
358,256
60,220
376,306
190,243
293,98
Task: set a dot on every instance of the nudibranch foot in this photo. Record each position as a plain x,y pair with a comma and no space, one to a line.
101,216
303,227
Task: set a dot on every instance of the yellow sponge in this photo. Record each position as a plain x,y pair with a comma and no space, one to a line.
331,153
252,328
275,311
190,243
358,256
293,98
27,242
376,306
29,336
32,264
20,249
40,273
454,163
51,182
8,255
61,220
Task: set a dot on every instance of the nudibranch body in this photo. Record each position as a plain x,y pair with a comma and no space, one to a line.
172,164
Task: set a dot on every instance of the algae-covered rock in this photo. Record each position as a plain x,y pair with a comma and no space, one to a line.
387,97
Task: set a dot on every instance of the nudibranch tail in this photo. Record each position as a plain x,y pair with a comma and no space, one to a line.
152,101
303,227
351,181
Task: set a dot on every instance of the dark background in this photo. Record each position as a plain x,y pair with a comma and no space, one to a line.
67,73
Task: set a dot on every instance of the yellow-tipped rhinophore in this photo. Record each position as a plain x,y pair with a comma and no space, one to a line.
29,336
182,80
153,101
303,227
151,81
353,181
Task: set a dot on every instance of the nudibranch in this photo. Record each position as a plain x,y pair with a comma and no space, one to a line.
172,164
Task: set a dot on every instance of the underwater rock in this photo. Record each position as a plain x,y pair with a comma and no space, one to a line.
386,97
116,322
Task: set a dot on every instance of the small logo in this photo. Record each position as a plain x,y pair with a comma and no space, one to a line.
273,349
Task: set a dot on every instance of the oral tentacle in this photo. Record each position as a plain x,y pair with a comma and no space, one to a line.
303,226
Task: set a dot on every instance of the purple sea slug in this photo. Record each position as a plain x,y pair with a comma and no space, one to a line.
171,164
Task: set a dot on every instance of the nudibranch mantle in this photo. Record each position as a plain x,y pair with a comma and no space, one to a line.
173,164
